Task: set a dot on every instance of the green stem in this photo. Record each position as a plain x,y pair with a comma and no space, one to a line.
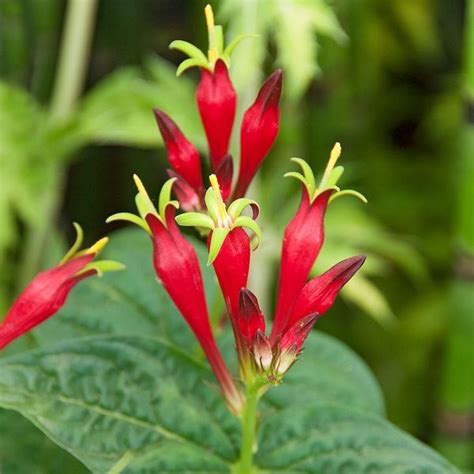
249,429
72,66
73,57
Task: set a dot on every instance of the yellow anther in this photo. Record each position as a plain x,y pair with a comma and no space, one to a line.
139,185
335,154
212,53
221,207
98,246
333,157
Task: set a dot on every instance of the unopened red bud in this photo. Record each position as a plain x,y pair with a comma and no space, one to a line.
182,154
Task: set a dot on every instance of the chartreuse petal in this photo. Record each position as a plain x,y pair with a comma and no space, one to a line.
188,48
348,192
307,178
129,217
335,175
189,63
164,199
217,239
244,221
76,245
142,200
102,266
195,219
236,208
235,42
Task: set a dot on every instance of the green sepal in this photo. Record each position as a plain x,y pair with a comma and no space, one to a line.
348,192
245,221
188,48
236,208
76,245
195,219
189,63
165,200
335,176
217,239
129,217
102,266
232,45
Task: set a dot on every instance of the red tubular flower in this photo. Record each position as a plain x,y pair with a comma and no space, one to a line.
48,291
182,154
318,295
232,268
177,267
251,321
259,129
216,100
302,242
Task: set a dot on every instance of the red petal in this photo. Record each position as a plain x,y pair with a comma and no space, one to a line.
224,174
42,298
318,294
295,336
259,130
182,154
188,197
216,99
302,242
177,267
232,268
250,318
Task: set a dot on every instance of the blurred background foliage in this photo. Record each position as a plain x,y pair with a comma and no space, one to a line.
392,80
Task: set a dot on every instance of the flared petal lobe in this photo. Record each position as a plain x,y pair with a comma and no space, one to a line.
182,154
302,242
216,100
177,267
259,130
42,298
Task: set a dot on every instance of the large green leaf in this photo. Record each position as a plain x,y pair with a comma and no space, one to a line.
138,404
24,449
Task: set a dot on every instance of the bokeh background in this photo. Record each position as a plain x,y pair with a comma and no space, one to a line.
392,80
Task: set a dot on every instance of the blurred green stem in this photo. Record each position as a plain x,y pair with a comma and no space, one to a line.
71,71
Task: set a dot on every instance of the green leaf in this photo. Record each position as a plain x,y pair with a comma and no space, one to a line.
160,412
159,408
24,449
326,438
328,372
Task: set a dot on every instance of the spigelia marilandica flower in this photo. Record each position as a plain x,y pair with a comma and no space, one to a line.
177,267
300,303
216,100
229,248
304,235
48,291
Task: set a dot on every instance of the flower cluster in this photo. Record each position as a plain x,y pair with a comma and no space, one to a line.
227,220
216,101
